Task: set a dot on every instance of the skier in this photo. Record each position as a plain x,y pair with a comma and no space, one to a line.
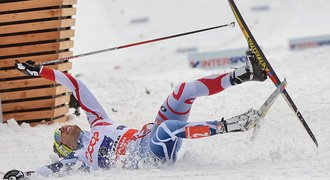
108,141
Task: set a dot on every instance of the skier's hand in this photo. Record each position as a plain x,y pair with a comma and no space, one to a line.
14,175
29,68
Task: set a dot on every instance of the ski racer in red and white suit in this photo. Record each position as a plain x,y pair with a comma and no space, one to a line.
107,141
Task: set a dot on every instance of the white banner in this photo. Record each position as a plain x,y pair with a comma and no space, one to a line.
309,42
217,59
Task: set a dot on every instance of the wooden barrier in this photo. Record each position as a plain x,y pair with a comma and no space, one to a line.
38,30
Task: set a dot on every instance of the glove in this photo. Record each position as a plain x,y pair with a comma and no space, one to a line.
29,68
14,175
17,175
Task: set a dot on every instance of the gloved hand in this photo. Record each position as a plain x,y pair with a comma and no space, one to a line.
14,175
29,68
17,175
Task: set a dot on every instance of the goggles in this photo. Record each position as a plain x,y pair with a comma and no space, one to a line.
60,149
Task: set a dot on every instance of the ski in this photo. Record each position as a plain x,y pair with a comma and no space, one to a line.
266,106
253,45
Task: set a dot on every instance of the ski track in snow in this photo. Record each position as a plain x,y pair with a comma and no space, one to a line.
282,150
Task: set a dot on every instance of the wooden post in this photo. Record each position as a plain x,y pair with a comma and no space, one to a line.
38,30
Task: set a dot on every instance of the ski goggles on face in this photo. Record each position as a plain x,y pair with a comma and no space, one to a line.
60,149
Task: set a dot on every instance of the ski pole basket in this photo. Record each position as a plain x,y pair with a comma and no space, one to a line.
38,30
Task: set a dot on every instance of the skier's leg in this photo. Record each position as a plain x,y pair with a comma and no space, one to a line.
178,104
164,142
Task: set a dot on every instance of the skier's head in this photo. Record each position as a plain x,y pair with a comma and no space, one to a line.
66,139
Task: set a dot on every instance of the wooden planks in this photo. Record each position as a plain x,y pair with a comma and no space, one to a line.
46,47
24,5
43,114
25,83
35,26
36,104
38,30
33,93
43,14
35,37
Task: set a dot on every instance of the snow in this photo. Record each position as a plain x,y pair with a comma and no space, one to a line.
119,79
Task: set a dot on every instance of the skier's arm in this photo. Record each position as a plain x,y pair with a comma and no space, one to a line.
59,168
62,166
85,98
93,109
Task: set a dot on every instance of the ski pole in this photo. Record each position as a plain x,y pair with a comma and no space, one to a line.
232,24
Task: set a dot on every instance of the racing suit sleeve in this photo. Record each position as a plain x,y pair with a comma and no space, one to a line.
60,168
93,109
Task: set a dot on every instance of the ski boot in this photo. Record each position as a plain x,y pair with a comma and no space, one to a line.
252,71
239,123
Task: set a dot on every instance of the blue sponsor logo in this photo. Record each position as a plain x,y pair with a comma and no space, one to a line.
194,64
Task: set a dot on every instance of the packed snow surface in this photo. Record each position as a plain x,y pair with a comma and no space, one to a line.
120,79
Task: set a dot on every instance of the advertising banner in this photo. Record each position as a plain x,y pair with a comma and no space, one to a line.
217,59
309,42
